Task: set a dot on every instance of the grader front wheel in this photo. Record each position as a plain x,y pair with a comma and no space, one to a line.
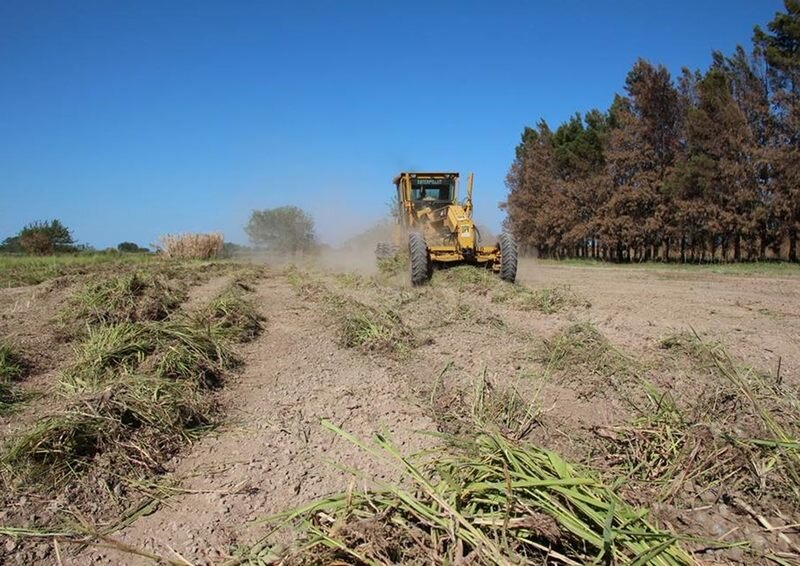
508,258
418,258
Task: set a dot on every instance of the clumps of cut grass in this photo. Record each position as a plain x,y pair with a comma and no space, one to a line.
394,264
246,278
476,280
667,452
582,345
482,499
547,300
134,423
190,246
486,407
173,349
372,330
191,353
126,298
232,315
738,437
359,326
12,368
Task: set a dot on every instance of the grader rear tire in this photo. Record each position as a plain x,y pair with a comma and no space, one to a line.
418,257
508,258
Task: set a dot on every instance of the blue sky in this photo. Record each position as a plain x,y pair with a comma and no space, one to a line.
127,120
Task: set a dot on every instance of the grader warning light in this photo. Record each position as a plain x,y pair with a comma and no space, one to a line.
440,230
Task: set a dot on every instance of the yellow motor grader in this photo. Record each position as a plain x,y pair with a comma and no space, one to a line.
440,230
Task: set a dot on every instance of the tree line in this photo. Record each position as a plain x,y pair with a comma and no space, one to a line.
701,167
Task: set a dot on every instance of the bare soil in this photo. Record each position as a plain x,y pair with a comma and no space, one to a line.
272,454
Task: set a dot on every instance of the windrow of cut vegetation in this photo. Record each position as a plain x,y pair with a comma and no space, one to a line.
704,167
139,387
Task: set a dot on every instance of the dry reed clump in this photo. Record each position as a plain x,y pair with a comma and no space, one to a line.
191,246
480,499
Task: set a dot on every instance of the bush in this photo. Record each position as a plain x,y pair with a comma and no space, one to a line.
44,238
130,247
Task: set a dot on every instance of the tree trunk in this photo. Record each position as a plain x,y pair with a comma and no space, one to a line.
737,247
683,249
792,244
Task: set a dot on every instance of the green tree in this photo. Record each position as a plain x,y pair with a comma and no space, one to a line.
11,245
42,238
781,47
287,229
130,247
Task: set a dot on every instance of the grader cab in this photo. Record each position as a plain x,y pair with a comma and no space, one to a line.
440,230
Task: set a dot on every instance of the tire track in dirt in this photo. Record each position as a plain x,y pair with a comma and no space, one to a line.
273,454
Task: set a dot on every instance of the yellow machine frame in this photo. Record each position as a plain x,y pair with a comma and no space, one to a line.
448,228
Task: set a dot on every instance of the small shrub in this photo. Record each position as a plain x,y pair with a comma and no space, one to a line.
191,246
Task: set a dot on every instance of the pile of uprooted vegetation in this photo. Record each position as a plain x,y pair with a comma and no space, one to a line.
547,300
139,387
358,325
12,369
485,496
707,472
712,442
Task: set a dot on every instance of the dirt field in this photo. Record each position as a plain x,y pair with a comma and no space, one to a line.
270,452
